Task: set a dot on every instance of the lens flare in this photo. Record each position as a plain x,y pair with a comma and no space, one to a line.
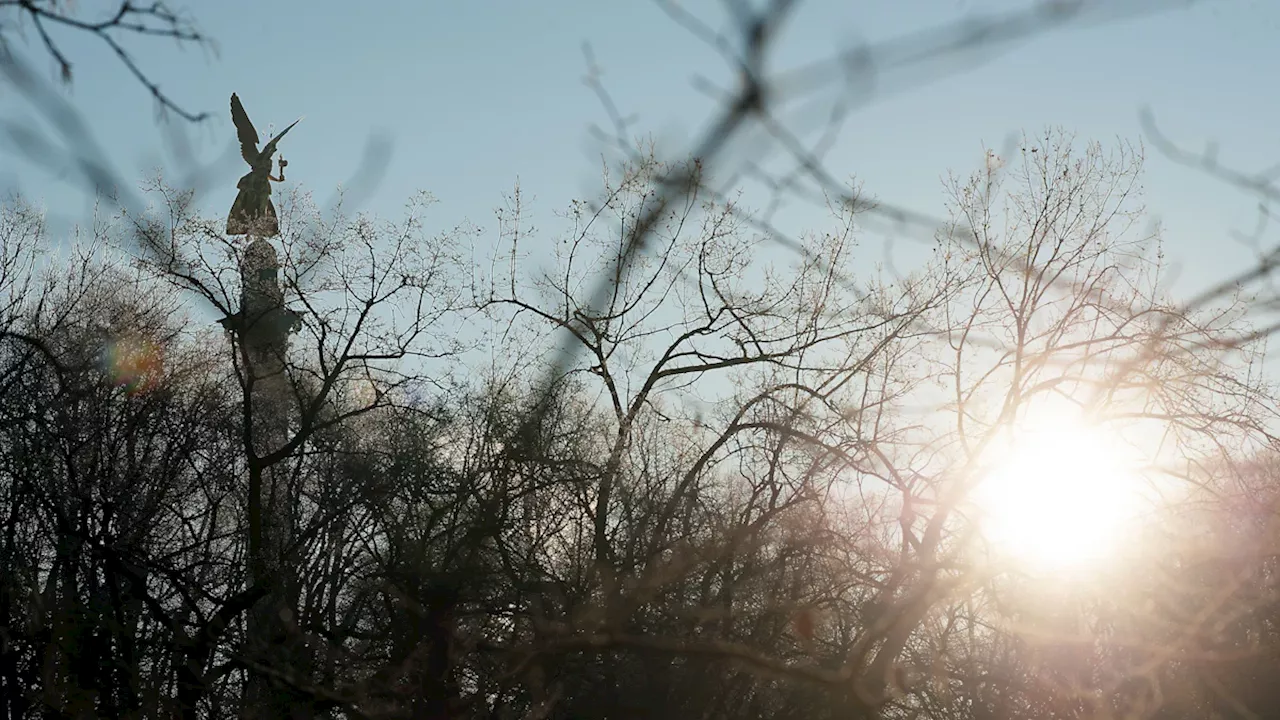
132,363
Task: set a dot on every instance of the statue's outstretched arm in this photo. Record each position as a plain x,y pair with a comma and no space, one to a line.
283,163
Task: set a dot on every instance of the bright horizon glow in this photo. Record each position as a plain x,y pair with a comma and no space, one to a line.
1059,498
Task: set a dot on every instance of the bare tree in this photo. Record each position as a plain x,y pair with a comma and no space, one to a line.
124,19
737,487
371,300
1063,313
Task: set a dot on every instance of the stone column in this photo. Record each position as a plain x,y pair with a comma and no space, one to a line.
263,326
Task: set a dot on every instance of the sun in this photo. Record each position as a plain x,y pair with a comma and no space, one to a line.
1059,496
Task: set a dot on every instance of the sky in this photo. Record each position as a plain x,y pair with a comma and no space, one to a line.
477,96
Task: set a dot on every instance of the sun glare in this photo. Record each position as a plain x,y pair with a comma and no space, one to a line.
1057,498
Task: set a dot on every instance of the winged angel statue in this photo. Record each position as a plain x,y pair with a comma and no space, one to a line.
253,213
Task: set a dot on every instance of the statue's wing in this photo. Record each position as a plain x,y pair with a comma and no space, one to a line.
244,128
270,148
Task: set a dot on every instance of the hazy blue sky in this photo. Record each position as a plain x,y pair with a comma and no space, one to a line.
479,93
